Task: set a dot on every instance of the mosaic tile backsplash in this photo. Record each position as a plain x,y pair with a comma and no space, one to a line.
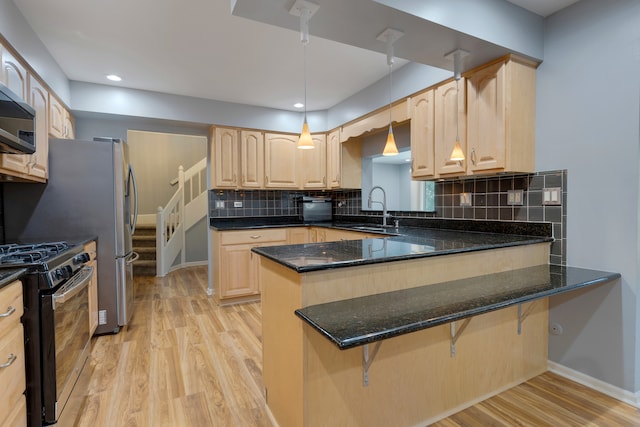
488,203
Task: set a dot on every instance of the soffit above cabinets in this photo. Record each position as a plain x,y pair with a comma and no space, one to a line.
487,29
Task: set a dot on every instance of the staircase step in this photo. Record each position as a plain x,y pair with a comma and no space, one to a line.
144,241
144,268
146,253
145,230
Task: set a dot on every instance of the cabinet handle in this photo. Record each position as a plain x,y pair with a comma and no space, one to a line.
9,312
324,180
337,177
266,178
473,156
12,358
256,236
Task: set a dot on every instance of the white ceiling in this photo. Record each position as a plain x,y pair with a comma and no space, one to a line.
197,48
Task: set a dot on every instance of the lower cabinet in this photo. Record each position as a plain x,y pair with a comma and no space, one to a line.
90,248
234,267
12,367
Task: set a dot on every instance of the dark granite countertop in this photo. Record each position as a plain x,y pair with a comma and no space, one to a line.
9,275
411,243
358,321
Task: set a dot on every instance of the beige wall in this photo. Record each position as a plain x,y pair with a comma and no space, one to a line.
156,158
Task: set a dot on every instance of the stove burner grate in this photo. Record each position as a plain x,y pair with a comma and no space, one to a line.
25,254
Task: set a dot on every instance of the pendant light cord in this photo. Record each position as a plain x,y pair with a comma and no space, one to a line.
305,79
456,112
390,84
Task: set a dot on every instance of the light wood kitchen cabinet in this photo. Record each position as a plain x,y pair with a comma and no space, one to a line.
69,125
422,135
90,248
450,119
334,159
12,374
298,235
251,159
501,117
225,157
14,76
39,100
313,171
281,161
234,267
56,118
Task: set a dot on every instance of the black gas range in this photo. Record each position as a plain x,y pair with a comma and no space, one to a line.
56,324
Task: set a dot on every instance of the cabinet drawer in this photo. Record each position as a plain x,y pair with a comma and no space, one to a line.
10,302
253,236
12,377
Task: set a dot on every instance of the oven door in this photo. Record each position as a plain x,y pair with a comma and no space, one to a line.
65,341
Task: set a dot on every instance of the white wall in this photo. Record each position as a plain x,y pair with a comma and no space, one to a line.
587,121
14,28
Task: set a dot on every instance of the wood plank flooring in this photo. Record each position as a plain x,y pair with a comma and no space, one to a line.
185,362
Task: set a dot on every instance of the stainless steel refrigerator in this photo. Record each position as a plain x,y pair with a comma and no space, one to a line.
91,192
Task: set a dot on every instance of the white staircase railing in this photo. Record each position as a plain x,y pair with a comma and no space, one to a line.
185,208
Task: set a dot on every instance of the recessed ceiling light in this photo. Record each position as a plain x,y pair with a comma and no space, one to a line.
298,105
114,78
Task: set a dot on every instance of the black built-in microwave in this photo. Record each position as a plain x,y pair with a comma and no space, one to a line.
17,124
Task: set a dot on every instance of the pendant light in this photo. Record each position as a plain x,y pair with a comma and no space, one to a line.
457,155
305,10
389,36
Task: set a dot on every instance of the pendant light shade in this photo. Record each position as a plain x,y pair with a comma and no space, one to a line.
304,9
390,148
305,142
457,155
389,36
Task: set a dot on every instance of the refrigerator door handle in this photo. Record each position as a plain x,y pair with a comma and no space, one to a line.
132,258
132,177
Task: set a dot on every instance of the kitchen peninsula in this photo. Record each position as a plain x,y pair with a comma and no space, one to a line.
331,365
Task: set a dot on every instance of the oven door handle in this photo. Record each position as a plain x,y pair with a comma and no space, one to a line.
73,286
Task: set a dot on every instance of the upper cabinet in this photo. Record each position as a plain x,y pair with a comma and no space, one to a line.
281,161
39,100
334,161
14,76
501,117
251,159
313,173
52,118
422,135
450,121
225,158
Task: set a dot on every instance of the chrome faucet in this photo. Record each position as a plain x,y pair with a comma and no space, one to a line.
385,215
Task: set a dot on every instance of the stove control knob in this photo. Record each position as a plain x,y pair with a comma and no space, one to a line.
81,259
58,274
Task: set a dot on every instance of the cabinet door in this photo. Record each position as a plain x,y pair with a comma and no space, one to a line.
422,135
450,119
69,131
225,158
238,272
334,164
56,118
486,124
39,100
298,235
251,159
14,76
314,164
281,161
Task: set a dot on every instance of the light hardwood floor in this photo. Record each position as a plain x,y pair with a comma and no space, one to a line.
184,362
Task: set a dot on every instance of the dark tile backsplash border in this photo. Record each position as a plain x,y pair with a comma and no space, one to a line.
489,211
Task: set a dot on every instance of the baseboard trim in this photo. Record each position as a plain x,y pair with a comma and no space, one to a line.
596,384
186,265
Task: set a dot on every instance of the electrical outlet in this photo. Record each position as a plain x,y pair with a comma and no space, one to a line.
237,204
551,196
465,199
219,204
515,197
